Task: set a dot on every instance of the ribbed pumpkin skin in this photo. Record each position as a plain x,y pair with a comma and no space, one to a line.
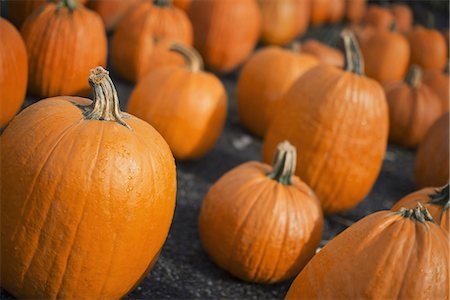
403,17
187,108
378,17
432,158
283,20
423,196
383,256
386,55
324,53
225,32
355,10
339,120
239,235
134,39
86,204
428,48
66,49
111,11
439,82
260,87
13,71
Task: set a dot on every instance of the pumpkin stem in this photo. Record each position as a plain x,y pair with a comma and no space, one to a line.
418,213
162,3
430,20
70,4
393,26
296,47
353,58
192,58
441,197
105,105
284,163
414,76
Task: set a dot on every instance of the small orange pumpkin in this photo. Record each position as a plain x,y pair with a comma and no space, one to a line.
13,71
336,10
386,255
283,20
428,48
324,53
111,11
439,82
225,32
65,49
435,200
140,30
341,155
186,105
183,4
379,17
260,87
355,10
320,11
87,197
403,17
261,223
432,158
413,108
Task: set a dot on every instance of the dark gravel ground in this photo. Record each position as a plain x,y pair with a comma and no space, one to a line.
183,270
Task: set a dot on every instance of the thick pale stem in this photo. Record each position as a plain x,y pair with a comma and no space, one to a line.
192,58
418,213
296,46
162,3
414,76
353,58
105,105
284,163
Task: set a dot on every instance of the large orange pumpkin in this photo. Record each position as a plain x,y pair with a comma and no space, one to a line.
439,82
379,17
403,17
111,11
60,59
432,158
413,108
87,198
283,20
260,87
355,10
339,120
323,52
436,201
143,26
185,104
386,255
225,32
13,71
428,48
261,223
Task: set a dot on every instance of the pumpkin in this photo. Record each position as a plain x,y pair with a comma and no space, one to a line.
386,55
386,255
111,11
66,49
336,11
87,198
413,108
324,53
13,71
339,119
261,223
182,4
432,158
378,17
19,10
439,82
435,200
186,105
403,17
320,11
143,26
260,87
428,48
283,20
225,32
355,10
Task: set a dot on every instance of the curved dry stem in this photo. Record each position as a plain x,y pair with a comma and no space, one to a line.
192,58
353,57
284,163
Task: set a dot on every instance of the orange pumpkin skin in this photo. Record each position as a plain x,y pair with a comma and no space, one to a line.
86,204
413,108
439,82
225,32
435,200
403,17
432,158
378,17
139,30
336,11
315,118
257,228
66,49
386,55
260,87
324,53
355,10
320,11
111,11
183,4
428,48
187,106
283,20
387,256
13,71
